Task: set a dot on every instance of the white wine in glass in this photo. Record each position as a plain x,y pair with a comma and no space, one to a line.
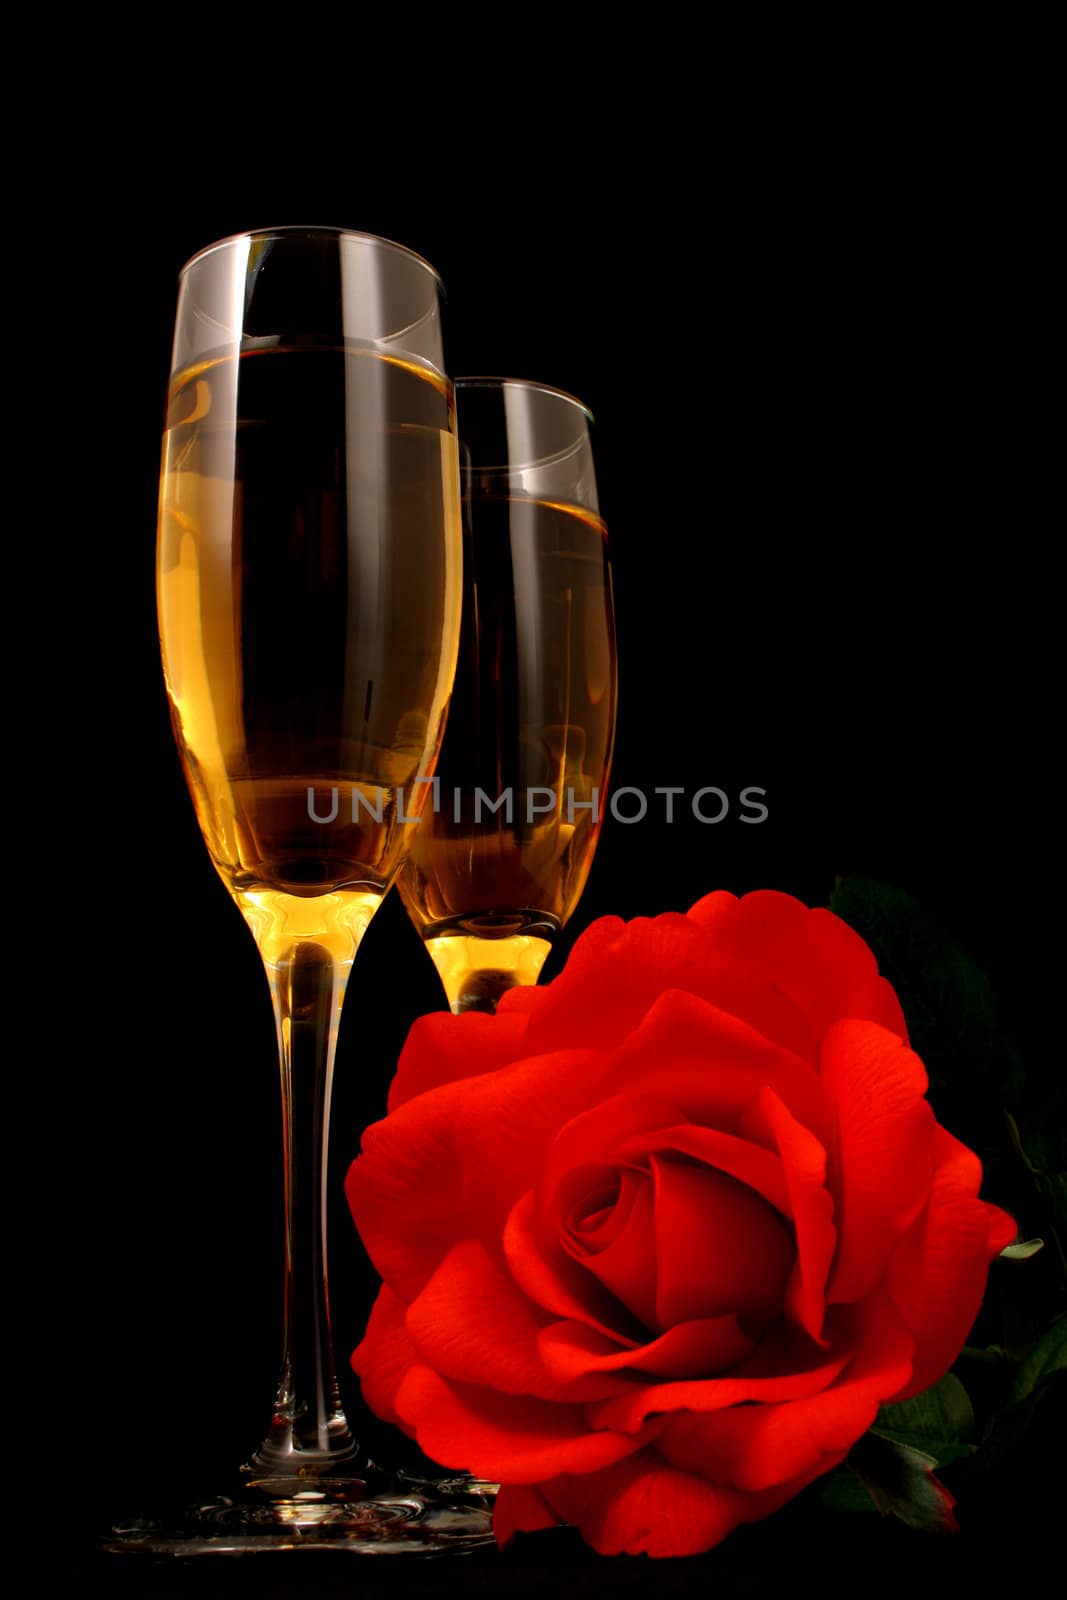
498,863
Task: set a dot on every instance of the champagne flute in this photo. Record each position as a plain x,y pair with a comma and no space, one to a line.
309,586
498,863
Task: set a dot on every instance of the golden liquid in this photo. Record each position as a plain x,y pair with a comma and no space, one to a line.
533,710
310,553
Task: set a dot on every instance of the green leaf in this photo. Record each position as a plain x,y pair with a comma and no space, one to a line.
901,1481
843,1491
1016,1477
939,1421
1049,1355
1023,1251
952,1012
1040,1137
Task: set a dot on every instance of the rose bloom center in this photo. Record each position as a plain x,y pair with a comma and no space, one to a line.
674,1241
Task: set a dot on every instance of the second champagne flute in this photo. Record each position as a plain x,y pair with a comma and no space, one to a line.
498,862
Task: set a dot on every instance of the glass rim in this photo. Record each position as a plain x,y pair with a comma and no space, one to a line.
523,383
316,230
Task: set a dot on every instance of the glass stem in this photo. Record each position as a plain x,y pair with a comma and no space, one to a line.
309,1431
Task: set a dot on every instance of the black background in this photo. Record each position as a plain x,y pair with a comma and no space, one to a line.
819,431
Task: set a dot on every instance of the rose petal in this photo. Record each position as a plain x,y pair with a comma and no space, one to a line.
1003,1229
883,1140
383,1356
506,1124
937,1276
470,1321
441,1048
720,1247
600,1207
785,1365
713,1065
509,1437
558,1284
821,963
643,1506
632,1410
449,1164
520,1508
803,1161
757,1447
596,1136
627,1266
750,1163
525,997
615,974
572,1350
405,1193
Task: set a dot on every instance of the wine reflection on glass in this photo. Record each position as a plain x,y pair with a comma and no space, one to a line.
309,584
500,858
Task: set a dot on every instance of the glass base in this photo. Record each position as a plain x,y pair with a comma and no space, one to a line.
374,1513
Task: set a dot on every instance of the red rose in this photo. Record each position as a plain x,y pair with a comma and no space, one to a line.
659,1238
